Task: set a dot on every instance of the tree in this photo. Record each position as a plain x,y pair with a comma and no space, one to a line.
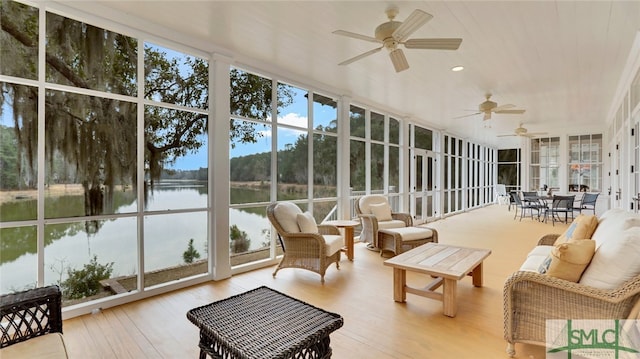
239,240
98,135
191,253
85,282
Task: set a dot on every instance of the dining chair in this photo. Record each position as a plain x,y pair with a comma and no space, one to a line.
559,205
524,206
587,203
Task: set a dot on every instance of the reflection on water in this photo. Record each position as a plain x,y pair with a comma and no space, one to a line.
115,240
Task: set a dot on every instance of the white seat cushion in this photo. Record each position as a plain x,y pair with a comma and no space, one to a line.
535,258
412,233
540,251
396,223
47,346
334,243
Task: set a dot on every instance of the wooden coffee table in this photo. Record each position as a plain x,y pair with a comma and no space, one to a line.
448,264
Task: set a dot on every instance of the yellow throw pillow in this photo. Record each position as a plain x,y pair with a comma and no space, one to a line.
382,211
582,227
568,260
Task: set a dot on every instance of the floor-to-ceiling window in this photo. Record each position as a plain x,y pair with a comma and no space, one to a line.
275,161
585,163
509,172
374,161
106,188
544,164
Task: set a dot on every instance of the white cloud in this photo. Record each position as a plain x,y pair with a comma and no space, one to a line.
293,119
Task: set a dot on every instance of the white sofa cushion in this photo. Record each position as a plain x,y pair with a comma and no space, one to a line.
334,243
615,260
612,224
535,258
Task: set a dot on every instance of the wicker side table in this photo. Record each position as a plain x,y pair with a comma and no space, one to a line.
264,323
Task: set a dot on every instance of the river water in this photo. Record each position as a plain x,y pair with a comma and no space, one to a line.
166,238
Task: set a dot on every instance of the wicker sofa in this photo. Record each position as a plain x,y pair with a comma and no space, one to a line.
32,324
609,287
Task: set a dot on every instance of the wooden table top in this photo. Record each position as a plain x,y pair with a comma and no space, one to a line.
440,260
342,222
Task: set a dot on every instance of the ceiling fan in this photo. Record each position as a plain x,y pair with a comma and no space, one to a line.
523,132
393,33
488,107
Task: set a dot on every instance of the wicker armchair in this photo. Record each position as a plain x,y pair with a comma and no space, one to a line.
32,324
371,224
311,251
531,298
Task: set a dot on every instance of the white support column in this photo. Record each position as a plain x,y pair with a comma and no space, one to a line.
344,148
219,111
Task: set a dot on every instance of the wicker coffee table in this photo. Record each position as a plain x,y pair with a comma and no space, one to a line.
264,323
448,264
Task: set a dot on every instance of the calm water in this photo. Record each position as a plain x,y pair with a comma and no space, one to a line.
166,238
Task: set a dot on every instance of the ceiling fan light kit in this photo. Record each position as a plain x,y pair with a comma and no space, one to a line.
393,33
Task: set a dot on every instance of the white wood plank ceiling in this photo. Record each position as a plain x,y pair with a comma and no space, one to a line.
559,60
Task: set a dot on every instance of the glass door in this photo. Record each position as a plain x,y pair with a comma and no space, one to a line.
424,186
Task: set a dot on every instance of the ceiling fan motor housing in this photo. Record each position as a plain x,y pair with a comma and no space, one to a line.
487,106
384,33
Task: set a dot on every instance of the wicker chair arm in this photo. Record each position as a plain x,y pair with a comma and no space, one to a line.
369,223
548,239
328,229
532,298
406,217
29,314
533,280
314,237
435,233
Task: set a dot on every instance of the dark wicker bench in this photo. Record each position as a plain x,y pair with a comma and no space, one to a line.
35,316
266,324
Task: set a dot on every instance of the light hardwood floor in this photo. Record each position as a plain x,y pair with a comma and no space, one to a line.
361,291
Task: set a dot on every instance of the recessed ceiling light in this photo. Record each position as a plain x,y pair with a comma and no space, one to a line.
457,68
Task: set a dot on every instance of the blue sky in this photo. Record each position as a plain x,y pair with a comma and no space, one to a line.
294,115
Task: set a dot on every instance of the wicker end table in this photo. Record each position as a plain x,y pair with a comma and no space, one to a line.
264,323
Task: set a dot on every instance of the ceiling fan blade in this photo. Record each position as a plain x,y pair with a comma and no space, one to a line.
502,107
412,23
536,133
399,60
463,116
510,111
357,36
507,135
434,44
356,58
